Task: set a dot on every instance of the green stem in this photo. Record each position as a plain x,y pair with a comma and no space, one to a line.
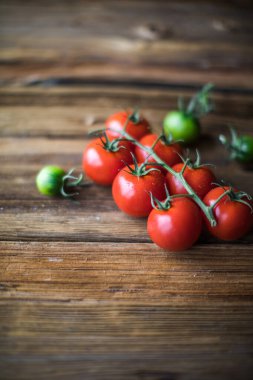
66,184
220,197
185,165
206,209
156,141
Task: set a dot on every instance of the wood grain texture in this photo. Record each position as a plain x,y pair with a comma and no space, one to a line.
84,294
125,271
170,316
168,41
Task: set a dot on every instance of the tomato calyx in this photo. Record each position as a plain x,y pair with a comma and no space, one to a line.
239,147
113,145
166,203
70,181
134,117
234,196
166,140
233,146
237,197
199,105
140,170
196,164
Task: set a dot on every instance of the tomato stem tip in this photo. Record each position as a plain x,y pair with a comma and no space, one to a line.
69,181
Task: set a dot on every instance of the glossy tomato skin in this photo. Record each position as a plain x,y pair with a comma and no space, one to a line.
177,228
49,180
101,165
131,193
234,219
169,153
181,127
200,179
117,122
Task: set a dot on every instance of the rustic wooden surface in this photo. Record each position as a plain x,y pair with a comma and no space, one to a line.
83,292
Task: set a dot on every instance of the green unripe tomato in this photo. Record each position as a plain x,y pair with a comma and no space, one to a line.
49,180
181,127
242,151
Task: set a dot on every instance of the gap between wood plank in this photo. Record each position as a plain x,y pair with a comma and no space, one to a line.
130,83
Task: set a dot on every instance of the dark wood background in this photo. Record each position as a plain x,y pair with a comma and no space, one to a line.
84,294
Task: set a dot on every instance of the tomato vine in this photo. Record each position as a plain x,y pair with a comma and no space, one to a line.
207,210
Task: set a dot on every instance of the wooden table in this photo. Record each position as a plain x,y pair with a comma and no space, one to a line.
83,292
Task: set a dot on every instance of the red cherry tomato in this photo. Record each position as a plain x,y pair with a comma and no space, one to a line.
177,228
200,179
234,219
102,165
137,126
131,192
167,152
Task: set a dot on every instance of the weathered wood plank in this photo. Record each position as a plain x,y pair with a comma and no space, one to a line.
27,74
211,60
154,365
59,19
124,272
77,121
134,40
97,342
188,315
38,221
132,21
104,99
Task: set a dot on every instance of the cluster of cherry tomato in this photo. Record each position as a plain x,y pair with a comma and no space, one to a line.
151,178
143,187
